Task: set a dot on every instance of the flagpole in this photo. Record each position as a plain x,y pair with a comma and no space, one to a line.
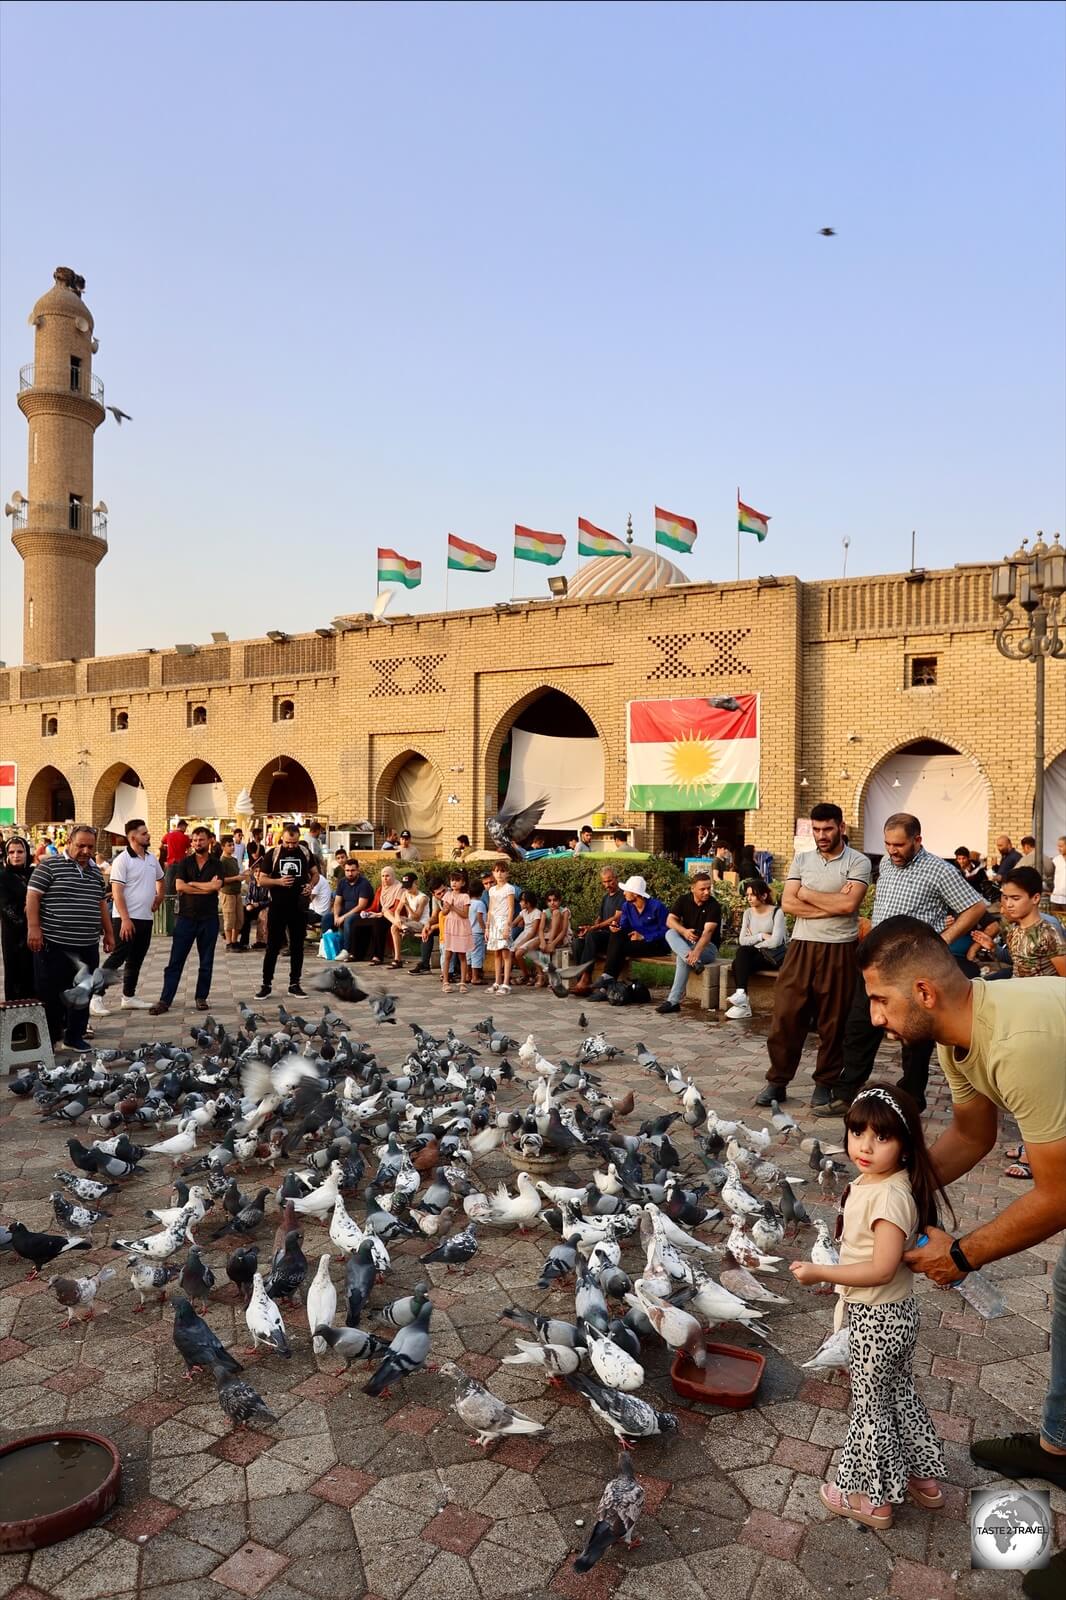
446,571
738,532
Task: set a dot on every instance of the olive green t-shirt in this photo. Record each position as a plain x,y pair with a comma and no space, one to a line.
1017,1054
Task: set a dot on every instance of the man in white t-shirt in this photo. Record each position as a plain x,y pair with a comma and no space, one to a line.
1058,881
136,891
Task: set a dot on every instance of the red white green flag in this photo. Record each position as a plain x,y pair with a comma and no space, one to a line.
393,568
751,521
693,755
466,557
593,541
548,548
677,533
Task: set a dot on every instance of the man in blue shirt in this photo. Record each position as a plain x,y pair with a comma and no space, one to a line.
641,929
353,896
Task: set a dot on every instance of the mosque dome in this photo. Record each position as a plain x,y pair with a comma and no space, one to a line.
608,576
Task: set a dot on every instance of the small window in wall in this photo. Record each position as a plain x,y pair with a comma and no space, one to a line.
922,672
29,611
120,721
197,715
284,709
75,373
35,446
74,513
49,727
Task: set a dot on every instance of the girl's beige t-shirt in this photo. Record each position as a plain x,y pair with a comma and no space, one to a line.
889,1199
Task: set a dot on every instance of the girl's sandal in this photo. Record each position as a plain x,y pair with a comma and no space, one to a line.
395,965
932,1499
1018,1169
462,988
1015,1152
834,1500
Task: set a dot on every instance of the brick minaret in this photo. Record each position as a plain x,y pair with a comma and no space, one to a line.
59,536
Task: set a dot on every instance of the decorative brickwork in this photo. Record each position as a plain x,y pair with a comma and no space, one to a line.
699,655
117,673
294,659
403,675
206,666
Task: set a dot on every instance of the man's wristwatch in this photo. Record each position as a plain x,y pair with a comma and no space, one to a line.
959,1258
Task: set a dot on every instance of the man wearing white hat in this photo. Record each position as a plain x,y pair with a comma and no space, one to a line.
641,929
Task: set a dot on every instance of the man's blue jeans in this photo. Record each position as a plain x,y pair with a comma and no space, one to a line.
1053,1426
188,931
682,949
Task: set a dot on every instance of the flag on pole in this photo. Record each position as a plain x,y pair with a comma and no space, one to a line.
393,568
593,541
529,545
693,755
751,521
466,557
677,533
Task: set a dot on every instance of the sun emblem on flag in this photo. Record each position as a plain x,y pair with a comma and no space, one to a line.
692,762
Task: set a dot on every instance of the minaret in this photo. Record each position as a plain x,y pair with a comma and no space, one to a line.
57,532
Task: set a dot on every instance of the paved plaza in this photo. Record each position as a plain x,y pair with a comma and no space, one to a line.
352,1496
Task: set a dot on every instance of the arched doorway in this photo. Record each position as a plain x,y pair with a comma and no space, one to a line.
1054,803
196,792
118,796
945,789
548,748
49,798
282,788
410,795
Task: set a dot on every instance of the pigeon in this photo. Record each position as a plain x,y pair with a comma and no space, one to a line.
289,1269
351,1344
119,415
75,1292
557,1359
617,1515
98,1162
383,1008
744,1250
198,1345
197,1280
359,1275
828,233
321,1302
734,1194
176,1148
159,1246
611,1364
628,1416
321,1200
87,983
147,1276
549,1330
832,1353
406,1354
86,1189
72,1216
264,1320
824,1252
559,1264
456,1250
239,1401
792,1208
781,1120
401,1313
241,1269
489,1417
744,1284
248,1220
41,1248
677,1328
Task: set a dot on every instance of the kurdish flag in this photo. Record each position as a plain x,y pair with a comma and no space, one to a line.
465,557
751,521
678,533
393,568
693,755
532,546
593,541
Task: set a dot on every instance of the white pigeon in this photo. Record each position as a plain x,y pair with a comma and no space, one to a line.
198,1117
561,1197
527,1051
725,1130
608,1253
759,1139
663,1258
322,1199
158,1246
832,1353
264,1319
486,1140
678,1236
505,1209
746,1251
612,1365
715,1303
196,1205
609,1182
347,1235
559,1359
321,1303
734,1194
176,1148
824,1252
477,1206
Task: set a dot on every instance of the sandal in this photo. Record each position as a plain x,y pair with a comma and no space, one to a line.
1018,1169
932,1499
835,1500
1015,1154
462,988
396,965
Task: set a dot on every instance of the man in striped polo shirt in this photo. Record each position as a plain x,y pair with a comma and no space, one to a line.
66,916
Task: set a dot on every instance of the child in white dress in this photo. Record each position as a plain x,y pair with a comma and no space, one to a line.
498,926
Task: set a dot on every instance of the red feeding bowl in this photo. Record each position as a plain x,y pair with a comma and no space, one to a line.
730,1378
54,1485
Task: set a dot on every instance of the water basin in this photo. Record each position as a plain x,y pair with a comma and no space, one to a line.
731,1376
54,1485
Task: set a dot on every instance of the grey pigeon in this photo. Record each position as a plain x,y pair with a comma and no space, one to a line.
351,1344
146,1276
240,1402
489,1417
87,983
119,415
198,1345
456,1250
617,1515
197,1279
406,1354
626,1414
401,1313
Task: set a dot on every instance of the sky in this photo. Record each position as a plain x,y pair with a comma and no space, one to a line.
366,274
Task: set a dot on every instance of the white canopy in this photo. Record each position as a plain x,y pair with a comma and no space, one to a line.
947,794
128,802
207,800
568,771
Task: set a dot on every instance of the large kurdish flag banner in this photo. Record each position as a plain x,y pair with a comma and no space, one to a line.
529,545
393,568
466,557
693,755
8,792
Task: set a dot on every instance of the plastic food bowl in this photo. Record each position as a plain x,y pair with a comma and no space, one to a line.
54,1485
731,1377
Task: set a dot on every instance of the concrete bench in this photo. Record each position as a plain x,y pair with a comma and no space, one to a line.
705,987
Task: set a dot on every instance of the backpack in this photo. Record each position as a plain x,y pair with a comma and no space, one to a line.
631,993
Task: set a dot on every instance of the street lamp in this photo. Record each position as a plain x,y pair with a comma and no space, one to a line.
1036,579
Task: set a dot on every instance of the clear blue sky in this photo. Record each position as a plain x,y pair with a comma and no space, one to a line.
364,274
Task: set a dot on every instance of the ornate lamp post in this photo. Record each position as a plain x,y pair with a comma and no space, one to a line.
1036,579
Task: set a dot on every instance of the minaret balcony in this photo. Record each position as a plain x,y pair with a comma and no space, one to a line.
62,380
40,517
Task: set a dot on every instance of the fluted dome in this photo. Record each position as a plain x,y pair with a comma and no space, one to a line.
606,576
62,299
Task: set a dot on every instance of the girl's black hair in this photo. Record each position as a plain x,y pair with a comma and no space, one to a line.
871,1111
760,888
529,896
458,873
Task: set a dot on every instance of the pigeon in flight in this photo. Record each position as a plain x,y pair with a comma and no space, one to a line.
828,233
119,416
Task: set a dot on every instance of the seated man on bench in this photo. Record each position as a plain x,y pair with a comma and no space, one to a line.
641,930
692,927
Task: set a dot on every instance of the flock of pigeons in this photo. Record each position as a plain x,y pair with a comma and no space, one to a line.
336,1131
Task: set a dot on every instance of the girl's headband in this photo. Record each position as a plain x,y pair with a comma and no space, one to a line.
881,1094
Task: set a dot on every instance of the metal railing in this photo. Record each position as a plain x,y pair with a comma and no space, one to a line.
40,517
62,380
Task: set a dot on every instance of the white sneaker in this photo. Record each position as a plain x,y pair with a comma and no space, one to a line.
738,997
739,1012
344,956
97,1007
130,1002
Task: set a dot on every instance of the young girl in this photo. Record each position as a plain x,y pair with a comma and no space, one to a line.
554,930
892,1451
526,933
458,936
498,926
761,946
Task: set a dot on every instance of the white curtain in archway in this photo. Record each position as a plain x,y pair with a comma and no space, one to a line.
414,803
207,800
128,802
1054,803
947,794
568,771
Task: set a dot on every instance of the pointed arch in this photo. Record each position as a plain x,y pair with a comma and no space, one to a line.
189,776
49,798
565,715
955,807
284,785
104,808
410,794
